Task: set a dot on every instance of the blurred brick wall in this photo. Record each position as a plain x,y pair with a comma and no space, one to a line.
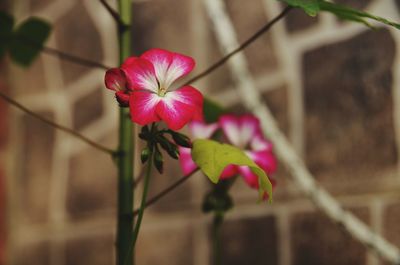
333,86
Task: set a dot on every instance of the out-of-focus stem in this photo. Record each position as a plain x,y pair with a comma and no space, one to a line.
125,160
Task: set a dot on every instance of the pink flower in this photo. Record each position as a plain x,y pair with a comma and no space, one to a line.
115,80
147,79
241,131
244,132
198,130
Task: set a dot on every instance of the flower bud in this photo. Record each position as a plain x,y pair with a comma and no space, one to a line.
144,156
181,139
158,160
171,148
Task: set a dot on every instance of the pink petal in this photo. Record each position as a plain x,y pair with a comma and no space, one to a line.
249,177
239,130
201,130
115,79
186,161
229,171
250,126
140,74
169,66
142,106
122,98
179,107
231,127
259,143
264,159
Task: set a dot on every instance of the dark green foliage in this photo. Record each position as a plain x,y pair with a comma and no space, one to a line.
6,26
212,110
24,42
312,7
28,40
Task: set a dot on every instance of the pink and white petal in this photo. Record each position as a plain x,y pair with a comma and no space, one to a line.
143,106
201,130
229,171
161,60
140,74
122,98
180,66
249,127
249,177
186,161
231,127
179,107
115,79
264,159
260,143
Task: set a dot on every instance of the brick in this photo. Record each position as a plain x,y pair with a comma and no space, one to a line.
162,32
88,108
172,246
35,168
316,240
36,5
349,122
391,219
92,184
34,75
38,253
179,199
246,20
249,241
297,20
97,250
76,34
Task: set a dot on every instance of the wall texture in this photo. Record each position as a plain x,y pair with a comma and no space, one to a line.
333,86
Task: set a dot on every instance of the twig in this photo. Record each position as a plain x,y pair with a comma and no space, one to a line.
242,46
74,59
115,15
57,126
160,195
300,174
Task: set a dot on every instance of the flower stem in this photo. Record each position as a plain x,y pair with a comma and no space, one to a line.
125,159
216,237
143,202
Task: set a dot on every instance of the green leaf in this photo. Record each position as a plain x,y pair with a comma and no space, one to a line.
311,7
212,110
351,14
6,26
212,157
28,40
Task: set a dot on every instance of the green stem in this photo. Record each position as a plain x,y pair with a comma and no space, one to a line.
132,243
144,198
216,237
125,160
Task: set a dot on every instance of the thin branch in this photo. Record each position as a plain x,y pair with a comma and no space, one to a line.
160,195
300,174
242,46
114,14
57,126
73,58
63,55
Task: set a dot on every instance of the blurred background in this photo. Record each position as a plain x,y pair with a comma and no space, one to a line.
332,86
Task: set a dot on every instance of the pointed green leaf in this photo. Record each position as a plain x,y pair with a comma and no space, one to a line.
6,26
348,13
311,7
28,40
212,157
